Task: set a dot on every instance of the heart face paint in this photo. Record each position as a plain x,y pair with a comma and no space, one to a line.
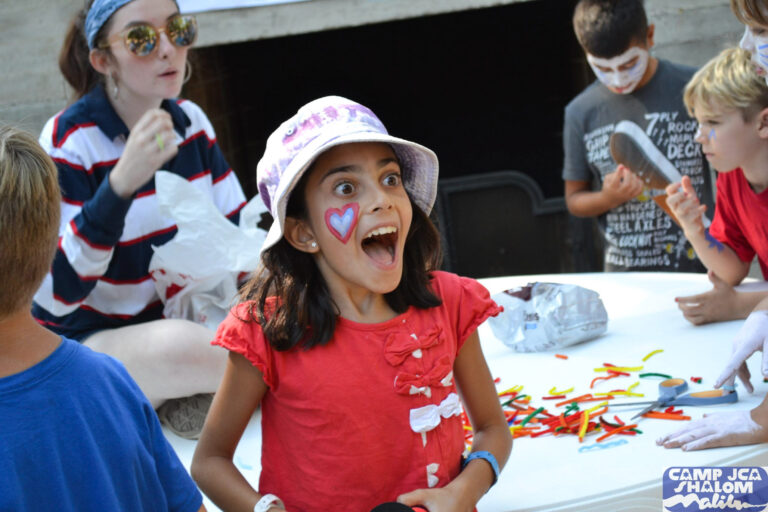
613,74
341,222
757,46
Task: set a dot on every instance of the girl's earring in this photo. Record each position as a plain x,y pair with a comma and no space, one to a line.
313,244
115,89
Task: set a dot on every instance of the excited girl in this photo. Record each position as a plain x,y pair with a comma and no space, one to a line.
348,337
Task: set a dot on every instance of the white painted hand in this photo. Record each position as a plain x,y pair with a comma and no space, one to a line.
752,336
713,430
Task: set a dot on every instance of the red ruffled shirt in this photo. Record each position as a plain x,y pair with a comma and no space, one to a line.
370,415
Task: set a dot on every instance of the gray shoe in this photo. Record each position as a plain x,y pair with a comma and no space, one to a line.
185,416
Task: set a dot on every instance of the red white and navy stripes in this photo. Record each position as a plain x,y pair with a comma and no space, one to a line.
99,278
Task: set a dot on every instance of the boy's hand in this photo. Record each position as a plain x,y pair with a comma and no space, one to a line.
732,428
716,305
621,185
682,200
751,338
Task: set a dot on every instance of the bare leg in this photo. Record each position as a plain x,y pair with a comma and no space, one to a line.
167,358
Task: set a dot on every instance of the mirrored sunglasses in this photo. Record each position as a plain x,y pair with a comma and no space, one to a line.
142,39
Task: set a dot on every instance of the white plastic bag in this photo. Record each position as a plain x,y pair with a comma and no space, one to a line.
196,272
545,316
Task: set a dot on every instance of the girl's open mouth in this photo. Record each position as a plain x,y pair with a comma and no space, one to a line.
380,245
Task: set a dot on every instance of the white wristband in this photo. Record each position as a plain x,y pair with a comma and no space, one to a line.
267,501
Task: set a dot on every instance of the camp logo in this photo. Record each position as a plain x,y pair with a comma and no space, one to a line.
690,489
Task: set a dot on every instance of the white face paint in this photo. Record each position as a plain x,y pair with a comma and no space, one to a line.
757,46
615,75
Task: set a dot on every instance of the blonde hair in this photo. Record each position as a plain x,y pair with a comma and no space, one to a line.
751,12
29,217
727,82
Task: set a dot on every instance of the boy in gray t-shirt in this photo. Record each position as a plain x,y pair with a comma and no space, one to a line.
634,86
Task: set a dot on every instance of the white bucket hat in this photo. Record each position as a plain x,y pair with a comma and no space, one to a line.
319,126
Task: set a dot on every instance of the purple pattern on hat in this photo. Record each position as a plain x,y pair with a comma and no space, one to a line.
305,127
319,126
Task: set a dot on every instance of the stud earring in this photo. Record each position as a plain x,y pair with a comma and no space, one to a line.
313,244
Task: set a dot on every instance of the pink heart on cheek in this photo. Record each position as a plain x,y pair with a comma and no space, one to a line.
341,222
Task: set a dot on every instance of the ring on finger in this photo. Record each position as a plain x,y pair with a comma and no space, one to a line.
159,141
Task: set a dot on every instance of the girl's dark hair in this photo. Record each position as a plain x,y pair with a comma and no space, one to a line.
303,312
607,28
74,61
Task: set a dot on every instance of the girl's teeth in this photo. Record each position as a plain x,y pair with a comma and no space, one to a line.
381,231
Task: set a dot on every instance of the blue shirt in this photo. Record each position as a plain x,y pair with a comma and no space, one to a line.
76,433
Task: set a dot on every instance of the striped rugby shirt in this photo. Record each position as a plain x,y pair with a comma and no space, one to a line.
99,278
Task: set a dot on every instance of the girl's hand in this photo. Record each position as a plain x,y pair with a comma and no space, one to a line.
682,200
152,142
444,499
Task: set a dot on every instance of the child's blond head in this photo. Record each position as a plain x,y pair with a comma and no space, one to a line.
751,12
29,217
727,82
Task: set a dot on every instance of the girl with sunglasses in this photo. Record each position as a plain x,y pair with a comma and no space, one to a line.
126,60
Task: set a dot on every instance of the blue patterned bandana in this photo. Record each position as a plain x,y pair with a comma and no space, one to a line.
98,15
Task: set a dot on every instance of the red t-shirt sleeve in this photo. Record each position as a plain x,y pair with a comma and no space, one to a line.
468,303
240,334
726,224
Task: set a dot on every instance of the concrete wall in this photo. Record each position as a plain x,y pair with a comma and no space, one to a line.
31,87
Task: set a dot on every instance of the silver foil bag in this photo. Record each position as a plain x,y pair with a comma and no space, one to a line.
547,316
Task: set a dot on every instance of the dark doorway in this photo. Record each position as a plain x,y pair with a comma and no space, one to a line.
484,88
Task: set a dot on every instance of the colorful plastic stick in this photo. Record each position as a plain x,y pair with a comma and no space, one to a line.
513,389
653,374
615,431
561,356
554,391
572,400
648,356
665,416
584,425
555,397
613,375
530,416
697,380
619,369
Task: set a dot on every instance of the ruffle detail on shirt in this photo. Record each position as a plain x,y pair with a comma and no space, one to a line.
424,419
399,345
242,336
439,375
481,315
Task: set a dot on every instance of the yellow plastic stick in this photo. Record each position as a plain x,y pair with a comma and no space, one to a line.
648,356
513,389
584,424
619,368
554,391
